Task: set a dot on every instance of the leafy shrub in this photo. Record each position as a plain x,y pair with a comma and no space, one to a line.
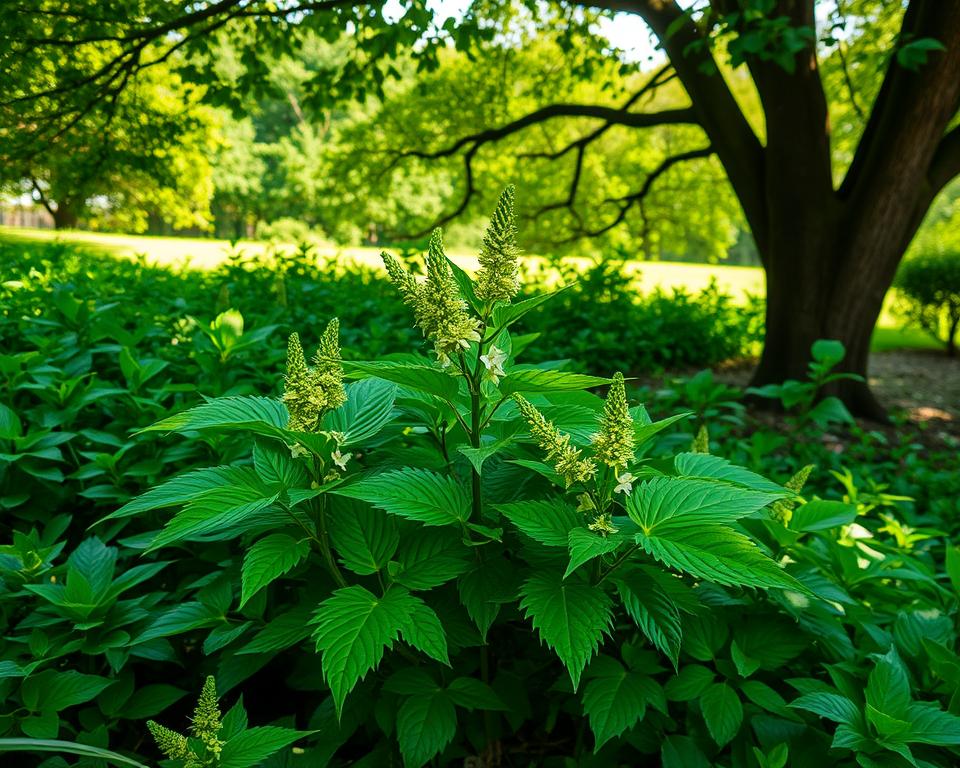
481,562
602,317
929,295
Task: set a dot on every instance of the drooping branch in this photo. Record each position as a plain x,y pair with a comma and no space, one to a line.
626,202
472,143
724,122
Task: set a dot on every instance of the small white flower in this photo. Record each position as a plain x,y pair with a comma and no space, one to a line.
297,450
493,361
340,459
624,483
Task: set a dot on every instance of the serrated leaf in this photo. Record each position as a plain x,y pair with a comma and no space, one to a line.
218,510
538,380
653,611
888,688
181,489
677,503
368,409
570,617
260,415
483,589
722,712
365,538
549,521
426,724
276,467
585,545
268,559
422,629
428,559
615,702
706,466
422,378
416,494
353,629
252,746
720,555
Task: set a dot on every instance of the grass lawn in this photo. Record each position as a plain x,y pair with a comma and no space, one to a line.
205,253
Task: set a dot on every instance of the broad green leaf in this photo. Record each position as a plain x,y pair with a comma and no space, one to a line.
416,494
832,706
718,554
537,380
182,489
549,521
183,617
252,746
505,315
268,559
282,631
653,611
422,378
953,566
477,456
570,616
10,427
713,467
767,698
426,724
821,515
691,681
276,467
422,629
643,432
470,693
888,689
67,748
683,504
931,725
615,701
260,415
483,589
585,545
149,701
354,627
369,408
722,712
53,691
365,538
682,752
218,510
429,558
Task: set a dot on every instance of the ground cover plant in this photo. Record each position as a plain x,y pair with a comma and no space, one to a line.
440,558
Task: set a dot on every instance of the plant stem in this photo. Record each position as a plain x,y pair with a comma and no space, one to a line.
324,544
617,563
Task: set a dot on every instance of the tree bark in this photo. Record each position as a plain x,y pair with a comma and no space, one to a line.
64,217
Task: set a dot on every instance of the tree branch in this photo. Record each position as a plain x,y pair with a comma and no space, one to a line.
945,165
626,202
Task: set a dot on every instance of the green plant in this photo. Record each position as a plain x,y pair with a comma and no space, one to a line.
429,510
928,289
802,400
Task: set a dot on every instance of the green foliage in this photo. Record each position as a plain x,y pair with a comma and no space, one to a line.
411,579
928,291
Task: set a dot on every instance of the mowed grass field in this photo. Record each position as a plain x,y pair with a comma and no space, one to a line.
205,253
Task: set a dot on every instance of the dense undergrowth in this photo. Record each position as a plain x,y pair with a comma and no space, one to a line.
673,606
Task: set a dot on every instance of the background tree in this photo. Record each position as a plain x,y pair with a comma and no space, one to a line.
830,226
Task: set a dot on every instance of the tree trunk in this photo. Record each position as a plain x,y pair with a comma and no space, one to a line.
64,217
804,305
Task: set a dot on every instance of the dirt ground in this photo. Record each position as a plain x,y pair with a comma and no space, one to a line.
923,384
